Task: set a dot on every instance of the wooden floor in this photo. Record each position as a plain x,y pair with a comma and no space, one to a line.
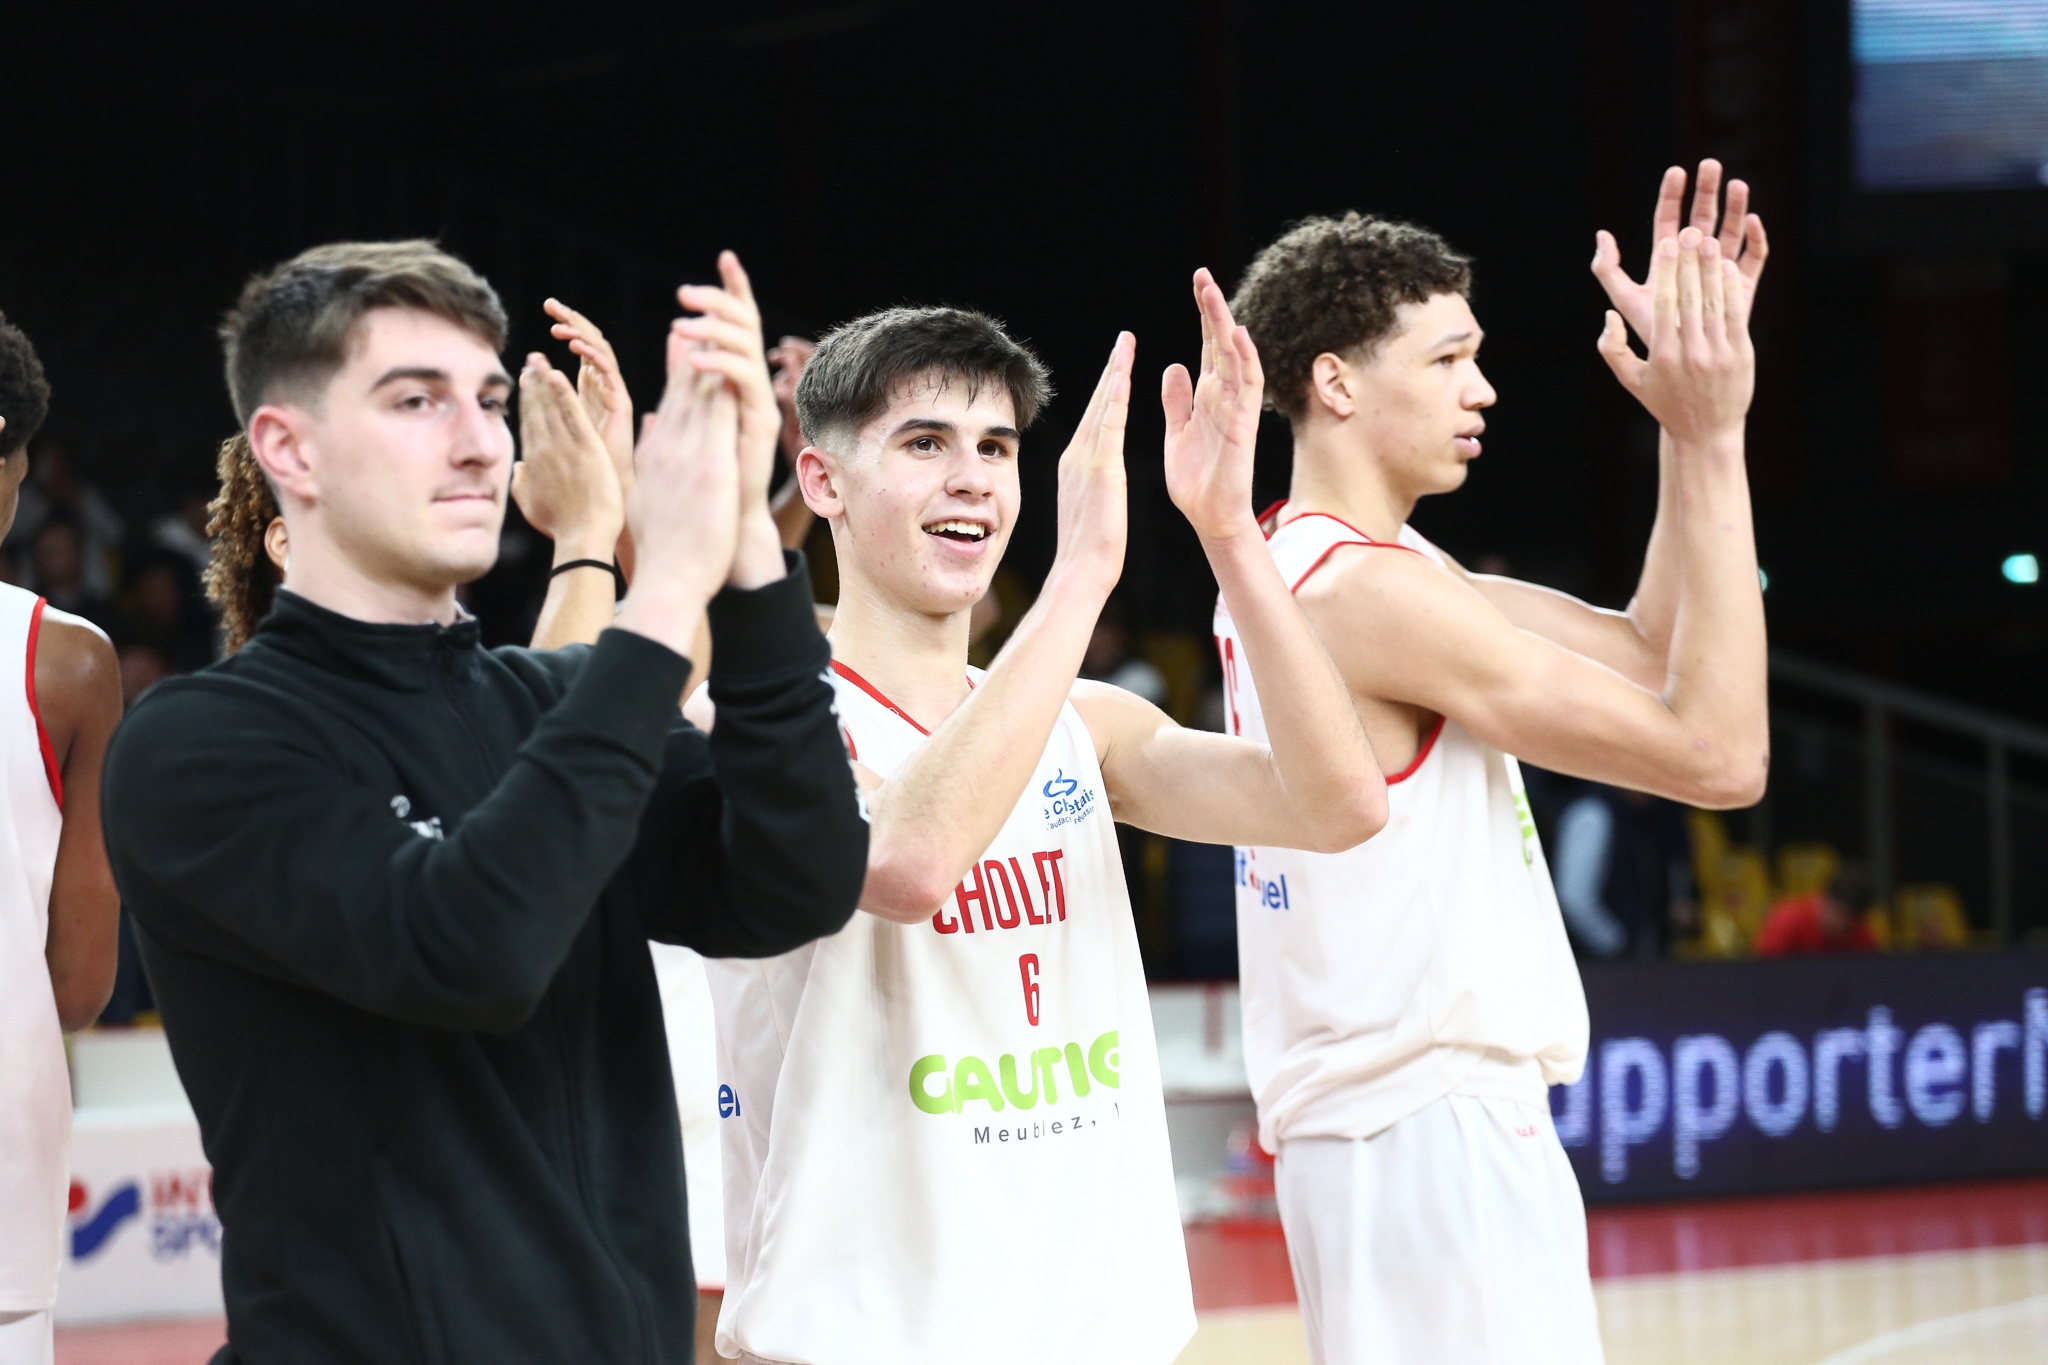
1955,1274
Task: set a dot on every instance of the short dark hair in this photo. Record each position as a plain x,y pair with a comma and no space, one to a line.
1333,284
859,365
291,329
24,392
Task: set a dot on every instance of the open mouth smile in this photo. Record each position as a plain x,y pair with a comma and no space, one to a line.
958,531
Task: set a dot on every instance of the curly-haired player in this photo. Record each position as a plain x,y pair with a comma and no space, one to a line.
1407,1002
60,698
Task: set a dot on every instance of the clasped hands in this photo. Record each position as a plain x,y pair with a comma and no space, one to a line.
685,508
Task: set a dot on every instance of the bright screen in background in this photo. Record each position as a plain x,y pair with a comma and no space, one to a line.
1951,94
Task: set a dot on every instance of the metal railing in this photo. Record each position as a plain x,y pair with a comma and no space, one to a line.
2001,737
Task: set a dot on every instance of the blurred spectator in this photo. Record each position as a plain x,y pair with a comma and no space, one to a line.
52,490
1927,917
1109,657
57,570
161,608
1623,869
143,666
183,532
1826,921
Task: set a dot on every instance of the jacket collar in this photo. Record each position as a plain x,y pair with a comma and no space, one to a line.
403,657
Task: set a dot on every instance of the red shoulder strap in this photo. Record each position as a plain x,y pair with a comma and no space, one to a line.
50,769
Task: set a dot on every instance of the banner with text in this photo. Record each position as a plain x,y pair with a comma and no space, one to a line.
1733,1077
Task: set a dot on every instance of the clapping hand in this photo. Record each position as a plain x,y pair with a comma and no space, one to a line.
1094,497
726,341
599,383
1212,422
565,482
1701,370
684,509
1738,234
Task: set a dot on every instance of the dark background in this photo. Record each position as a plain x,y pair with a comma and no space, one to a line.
1066,167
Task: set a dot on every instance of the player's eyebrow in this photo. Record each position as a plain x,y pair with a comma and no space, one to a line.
937,426
1460,338
431,374
1004,433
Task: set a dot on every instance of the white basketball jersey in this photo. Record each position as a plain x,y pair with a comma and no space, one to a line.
946,1141
35,1088
1427,961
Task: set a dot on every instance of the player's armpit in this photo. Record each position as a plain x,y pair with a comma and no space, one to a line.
1401,630
1194,785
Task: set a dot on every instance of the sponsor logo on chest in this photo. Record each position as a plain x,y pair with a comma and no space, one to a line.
1066,801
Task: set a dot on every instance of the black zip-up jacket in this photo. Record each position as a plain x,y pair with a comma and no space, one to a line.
394,893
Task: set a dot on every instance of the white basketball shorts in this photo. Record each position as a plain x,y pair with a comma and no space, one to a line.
1455,1237
25,1338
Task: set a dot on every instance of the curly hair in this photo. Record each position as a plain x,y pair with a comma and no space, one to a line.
24,392
240,579
1334,285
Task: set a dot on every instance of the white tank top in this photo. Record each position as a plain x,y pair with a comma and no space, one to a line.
1427,961
35,1088
946,1141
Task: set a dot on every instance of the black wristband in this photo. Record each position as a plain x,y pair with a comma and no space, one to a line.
618,577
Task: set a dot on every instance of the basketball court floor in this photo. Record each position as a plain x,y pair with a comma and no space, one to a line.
1955,1274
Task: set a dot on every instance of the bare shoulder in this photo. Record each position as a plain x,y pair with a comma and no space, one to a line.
78,679
1368,586
72,654
1398,625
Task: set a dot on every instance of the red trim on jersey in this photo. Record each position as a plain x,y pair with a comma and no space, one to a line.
1273,512
1428,743
864,685
50,769
852,749
1308,573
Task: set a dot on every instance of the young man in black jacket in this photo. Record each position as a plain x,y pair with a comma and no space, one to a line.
394,891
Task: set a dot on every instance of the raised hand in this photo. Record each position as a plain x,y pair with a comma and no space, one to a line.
1738,233
788,358
729,330
727,339
1701,371
683,512
1094,501
599,383
1212,423
565,482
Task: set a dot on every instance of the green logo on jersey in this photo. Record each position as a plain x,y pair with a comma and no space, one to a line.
970,1077
1527,820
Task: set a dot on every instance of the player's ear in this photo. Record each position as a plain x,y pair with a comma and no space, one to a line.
280,437
277,544
1333,383
818,478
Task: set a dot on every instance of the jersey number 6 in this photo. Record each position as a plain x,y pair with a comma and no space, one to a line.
1027,968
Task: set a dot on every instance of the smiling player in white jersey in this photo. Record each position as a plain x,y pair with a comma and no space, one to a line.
1407,1003
946,1138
